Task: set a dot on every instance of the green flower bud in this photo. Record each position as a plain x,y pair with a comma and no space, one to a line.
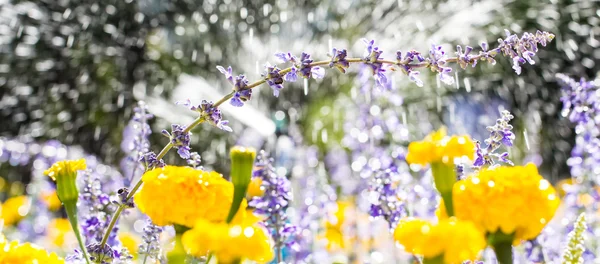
242,163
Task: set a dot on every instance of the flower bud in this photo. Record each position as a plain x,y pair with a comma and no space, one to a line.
64,173
242,163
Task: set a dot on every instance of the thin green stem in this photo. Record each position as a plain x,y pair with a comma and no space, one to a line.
111,225
71,209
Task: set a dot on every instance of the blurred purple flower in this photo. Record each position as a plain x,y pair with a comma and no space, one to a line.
274,202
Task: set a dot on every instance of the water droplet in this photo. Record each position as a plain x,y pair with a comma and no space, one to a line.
456,80
526,137
305,86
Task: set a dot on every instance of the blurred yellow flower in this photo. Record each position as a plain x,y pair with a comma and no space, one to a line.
454,240
14,209
334,227
15,253
440,212
51,200
438,147
242,239
254,188
507,199
59,231
65,168
184,195
130,242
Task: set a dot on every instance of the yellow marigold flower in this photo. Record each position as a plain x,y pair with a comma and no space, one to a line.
130,242
229,242
438,147
64,173
15,253
507,199
51,200
453,239
254,187
60,231
14,209
65,167
184,195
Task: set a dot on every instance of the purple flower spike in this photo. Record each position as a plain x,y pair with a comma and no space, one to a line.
291,76
307,70
242,93
285,57
150,160
273,204
437,60
486,55
228,73
210,114
414,77
179,139
317,72
522,49
338,60
273,78
464,58
371,59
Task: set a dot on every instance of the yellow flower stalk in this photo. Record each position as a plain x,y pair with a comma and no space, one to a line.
509,204
14,209
13,253
64,173
441,152
230,243
451,241
184,195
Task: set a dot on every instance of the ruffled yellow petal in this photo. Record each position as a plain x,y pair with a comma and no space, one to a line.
455,240
184,195
15,253
510,199
229,242
438,147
